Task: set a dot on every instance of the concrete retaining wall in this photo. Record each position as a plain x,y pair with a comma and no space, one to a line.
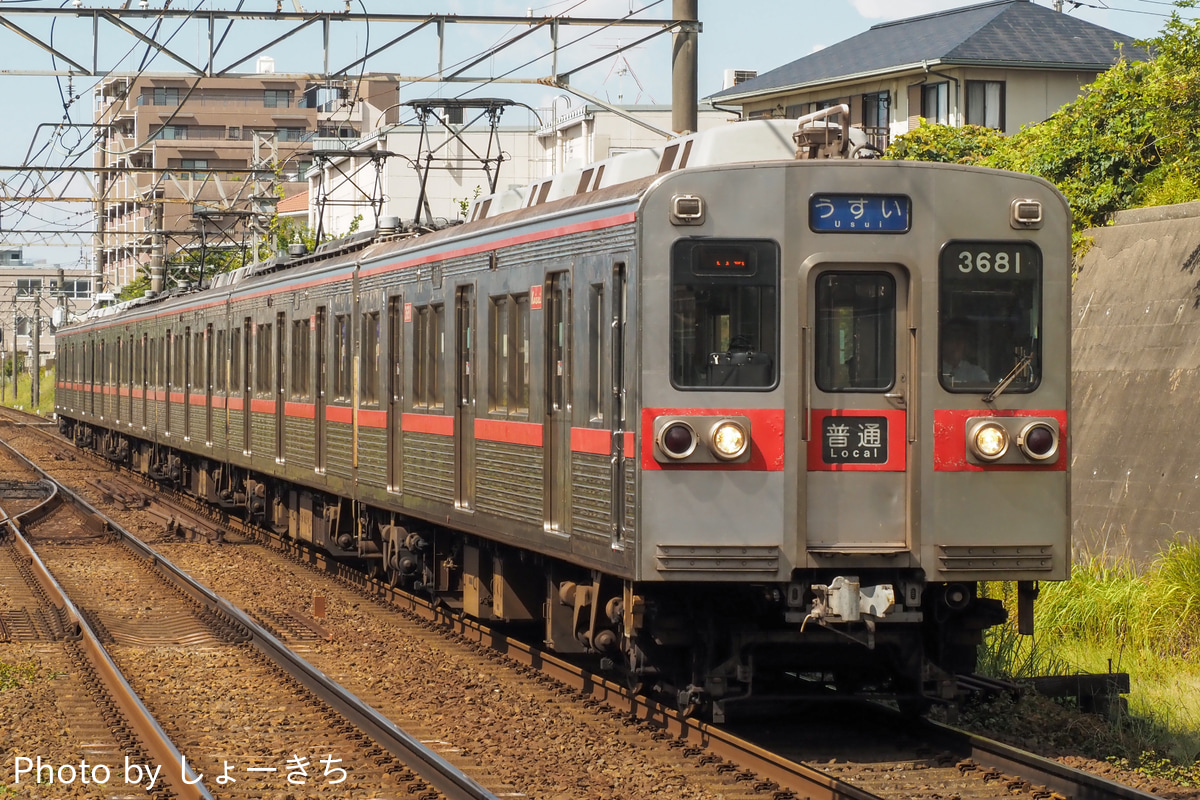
1135,421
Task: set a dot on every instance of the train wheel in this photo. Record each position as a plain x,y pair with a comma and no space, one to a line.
393,578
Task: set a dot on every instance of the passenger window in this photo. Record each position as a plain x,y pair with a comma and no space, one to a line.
855,332
369,378
989,316
724,314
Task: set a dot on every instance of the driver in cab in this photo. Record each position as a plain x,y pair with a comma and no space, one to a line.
959,358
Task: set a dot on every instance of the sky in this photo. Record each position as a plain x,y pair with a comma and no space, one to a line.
737,34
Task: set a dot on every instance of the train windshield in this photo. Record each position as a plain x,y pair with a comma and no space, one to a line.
724,314
989,316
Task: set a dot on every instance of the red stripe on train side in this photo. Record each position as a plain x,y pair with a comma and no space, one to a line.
950,440
502,430
595,441
342,414
262,406
428,423
300,410
218,401
766,438
370,418
234,403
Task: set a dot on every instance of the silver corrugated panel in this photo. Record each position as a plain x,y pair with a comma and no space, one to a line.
996,558
198,419
591,495
630,499
235,430
339,438
508,481
429,466
262,432
372,456
299,442
701,558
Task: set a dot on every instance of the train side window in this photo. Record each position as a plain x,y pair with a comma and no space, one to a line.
989,316
498,353
301,358
178,361
508,358
428,353
235,359
341,357
198,371
855,332
724,314
220,362
262,359
369,386
597,327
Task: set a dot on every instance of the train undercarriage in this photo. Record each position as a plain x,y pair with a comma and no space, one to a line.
717,649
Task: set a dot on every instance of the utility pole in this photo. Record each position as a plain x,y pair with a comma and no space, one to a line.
14,347
684,68
35,348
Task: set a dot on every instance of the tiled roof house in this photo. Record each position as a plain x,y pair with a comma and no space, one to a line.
1000,64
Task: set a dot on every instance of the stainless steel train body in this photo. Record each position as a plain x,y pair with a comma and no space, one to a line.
721,425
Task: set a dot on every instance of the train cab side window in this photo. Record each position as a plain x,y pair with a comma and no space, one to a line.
724,314
989,316
856,332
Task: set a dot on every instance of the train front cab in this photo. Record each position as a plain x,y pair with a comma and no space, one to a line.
879,482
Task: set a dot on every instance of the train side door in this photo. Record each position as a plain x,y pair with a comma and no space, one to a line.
860,374
209,343
464,396
556,433
395,390
280,381
320,335
247,383
617,422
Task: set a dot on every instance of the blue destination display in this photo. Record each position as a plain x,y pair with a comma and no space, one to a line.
859,213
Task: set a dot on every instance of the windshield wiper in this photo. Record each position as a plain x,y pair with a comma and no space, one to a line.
1020,368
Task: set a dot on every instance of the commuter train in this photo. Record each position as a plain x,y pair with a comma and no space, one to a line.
741,415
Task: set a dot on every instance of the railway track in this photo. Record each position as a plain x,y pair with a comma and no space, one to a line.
184,667
451,681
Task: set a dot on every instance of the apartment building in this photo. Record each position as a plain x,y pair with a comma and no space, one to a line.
37,294
201,162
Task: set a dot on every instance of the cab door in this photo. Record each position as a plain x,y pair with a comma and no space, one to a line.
859,384
464,397
556,435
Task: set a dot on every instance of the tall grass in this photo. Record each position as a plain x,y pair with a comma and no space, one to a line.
1113,616
21,398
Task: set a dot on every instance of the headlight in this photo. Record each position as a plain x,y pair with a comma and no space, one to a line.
989,441
1039,441
677,440
728,440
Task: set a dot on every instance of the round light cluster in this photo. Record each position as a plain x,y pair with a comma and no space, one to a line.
1038,441
677,440
728,440
989,441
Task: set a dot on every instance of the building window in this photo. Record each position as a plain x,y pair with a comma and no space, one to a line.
159,96
877,115
28,287
935,102
76,288
194,166
170,132
277,98
985,104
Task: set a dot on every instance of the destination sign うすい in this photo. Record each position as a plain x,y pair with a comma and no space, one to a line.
859,213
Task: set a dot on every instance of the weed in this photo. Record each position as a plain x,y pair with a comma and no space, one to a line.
14,675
